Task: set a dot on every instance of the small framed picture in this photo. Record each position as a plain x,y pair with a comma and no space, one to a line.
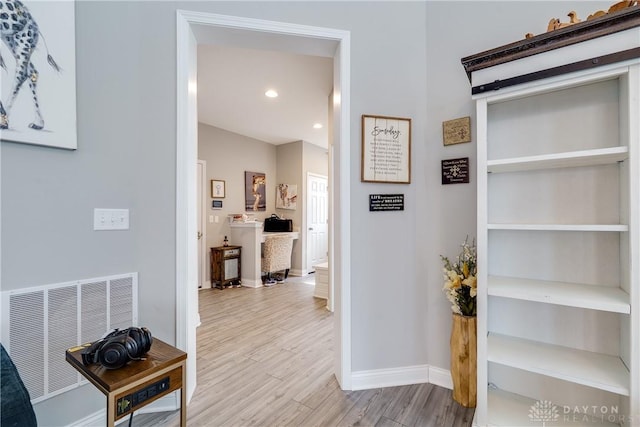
217,189
456,131
216,204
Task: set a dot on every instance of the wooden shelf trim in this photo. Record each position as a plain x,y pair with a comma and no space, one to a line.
604,298
601,371
601,156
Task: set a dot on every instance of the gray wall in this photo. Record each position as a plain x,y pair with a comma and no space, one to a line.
405,61
290,172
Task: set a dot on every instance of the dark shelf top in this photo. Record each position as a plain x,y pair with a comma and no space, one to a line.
586,30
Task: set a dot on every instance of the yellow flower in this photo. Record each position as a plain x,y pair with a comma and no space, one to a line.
465,269
471,282
454,280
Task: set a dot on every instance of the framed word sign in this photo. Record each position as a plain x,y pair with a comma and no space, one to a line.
386,202
455,171
386,149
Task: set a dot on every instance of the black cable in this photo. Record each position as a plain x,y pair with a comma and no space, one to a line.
130,418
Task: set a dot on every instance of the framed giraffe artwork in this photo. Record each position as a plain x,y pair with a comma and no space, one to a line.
255,184
38,96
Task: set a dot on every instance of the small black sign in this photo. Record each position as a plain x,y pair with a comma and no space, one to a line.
386,202
455,171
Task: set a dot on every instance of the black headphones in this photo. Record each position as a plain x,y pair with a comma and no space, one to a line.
119,347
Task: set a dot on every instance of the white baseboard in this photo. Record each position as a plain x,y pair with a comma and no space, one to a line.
392,377
440,377
363,380
251,283
170,402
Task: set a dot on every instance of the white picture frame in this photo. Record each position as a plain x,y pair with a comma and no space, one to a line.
55,84
287,196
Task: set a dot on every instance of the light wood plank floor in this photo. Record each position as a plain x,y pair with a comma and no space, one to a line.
265,358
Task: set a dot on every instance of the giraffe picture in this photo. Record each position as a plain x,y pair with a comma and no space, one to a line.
255,191
37,60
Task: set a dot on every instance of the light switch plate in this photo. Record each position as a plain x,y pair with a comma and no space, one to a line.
110,219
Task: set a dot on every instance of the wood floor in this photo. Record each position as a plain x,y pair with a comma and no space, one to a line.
265,358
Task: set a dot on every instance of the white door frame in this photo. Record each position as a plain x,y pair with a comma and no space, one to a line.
186,156
204,254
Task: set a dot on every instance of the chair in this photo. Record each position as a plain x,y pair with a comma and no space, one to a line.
16,409
276,258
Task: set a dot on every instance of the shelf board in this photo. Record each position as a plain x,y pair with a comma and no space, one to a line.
559,227
509,409
603,298
596,370
594,157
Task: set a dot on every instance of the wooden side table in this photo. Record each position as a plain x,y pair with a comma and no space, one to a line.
138,383
225,266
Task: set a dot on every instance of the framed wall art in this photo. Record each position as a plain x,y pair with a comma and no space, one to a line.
217,189
255,184
386,149
456,131
39,107
286,196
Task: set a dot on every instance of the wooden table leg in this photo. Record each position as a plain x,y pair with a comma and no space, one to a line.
183,397
111,409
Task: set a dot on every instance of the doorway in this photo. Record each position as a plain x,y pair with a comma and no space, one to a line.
317,220
197,27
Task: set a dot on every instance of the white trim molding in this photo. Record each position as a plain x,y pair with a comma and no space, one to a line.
392,377
339,44
440,377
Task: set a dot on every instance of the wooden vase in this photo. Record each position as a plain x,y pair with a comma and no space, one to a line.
463,359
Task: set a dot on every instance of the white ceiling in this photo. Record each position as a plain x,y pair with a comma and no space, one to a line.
231,86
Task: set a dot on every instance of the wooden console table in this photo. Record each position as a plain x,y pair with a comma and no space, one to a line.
139,382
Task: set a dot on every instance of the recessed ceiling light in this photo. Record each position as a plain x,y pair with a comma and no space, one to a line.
317,126
271,93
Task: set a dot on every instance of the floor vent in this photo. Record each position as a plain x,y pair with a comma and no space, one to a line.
40,323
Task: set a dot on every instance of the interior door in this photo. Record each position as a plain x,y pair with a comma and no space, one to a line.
317,219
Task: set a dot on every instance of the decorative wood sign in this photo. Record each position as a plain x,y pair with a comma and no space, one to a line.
386,202
455,171
386,149
456,131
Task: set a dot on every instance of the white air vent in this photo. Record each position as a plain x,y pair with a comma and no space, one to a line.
39,324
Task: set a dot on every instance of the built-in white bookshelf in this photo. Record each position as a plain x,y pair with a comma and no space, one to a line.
595,297
559,240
